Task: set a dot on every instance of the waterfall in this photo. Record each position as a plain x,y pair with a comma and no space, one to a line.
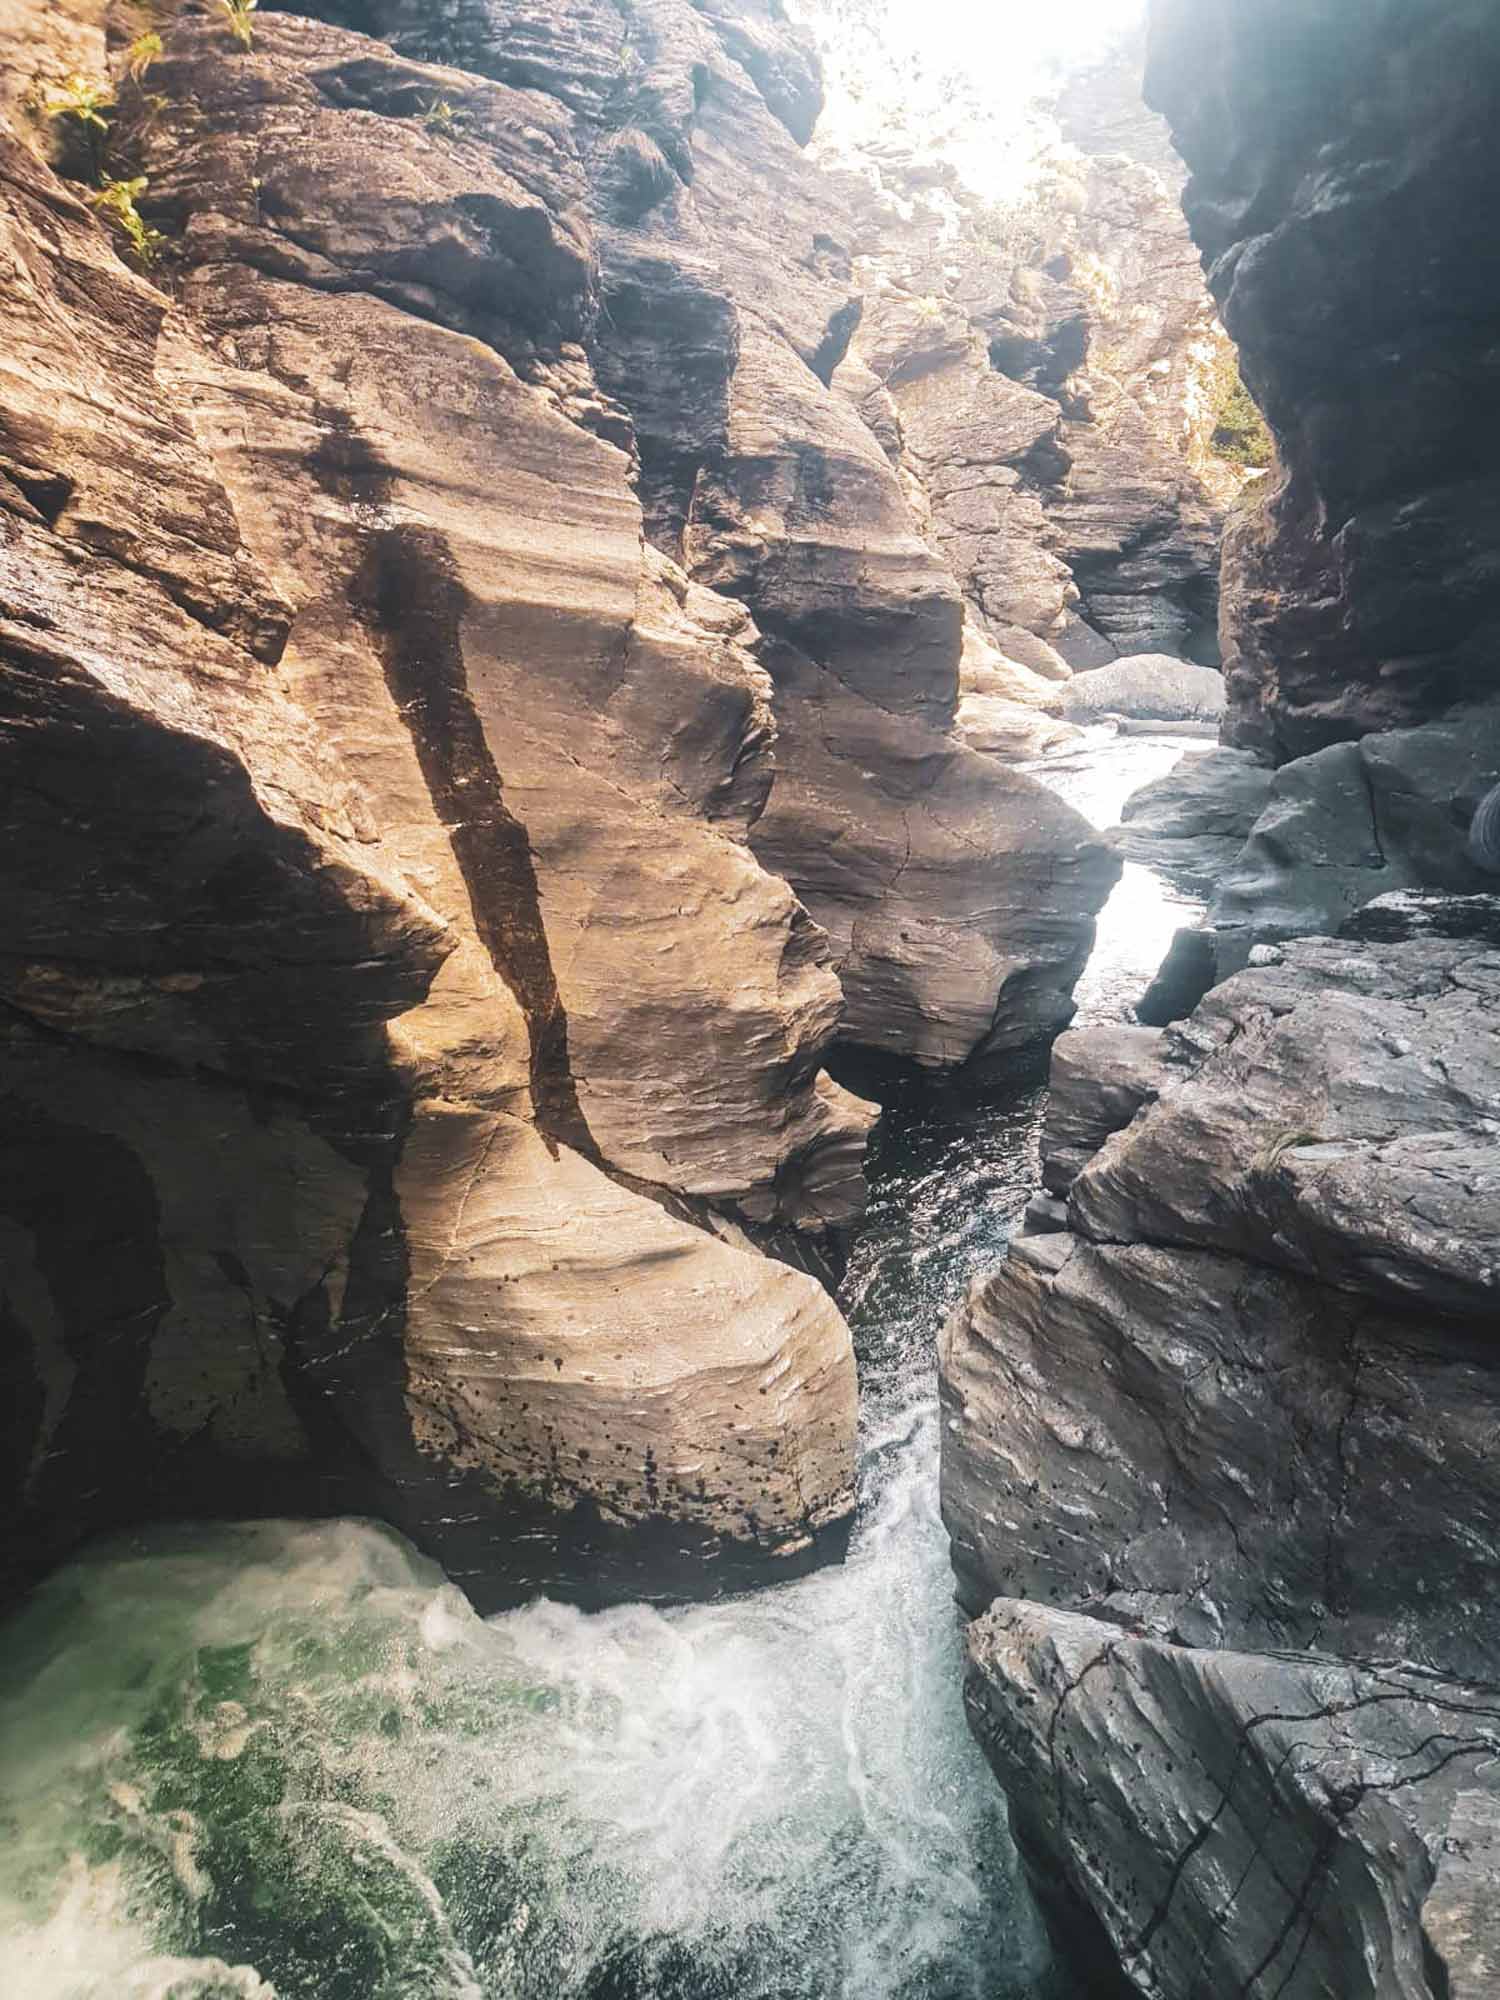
287,1761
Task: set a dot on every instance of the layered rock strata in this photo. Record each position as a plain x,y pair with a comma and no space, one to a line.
1342,167
1040,371
419,718
1257,1746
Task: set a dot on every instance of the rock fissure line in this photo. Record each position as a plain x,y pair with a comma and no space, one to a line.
416,606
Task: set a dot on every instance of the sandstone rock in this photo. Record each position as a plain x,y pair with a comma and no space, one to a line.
1334,196
370,818
1006,709
1191,823
949,884
983,669
1009,729
1146,687
1038,371
407,616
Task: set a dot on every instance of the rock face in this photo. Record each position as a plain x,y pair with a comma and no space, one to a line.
1192,823
1357,821
1039,371
1250,1824
1266,1326
1342,162
477,723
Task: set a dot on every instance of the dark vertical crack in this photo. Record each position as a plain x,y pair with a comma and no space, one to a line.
415,603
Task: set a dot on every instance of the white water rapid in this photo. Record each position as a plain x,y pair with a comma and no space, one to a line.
288,1760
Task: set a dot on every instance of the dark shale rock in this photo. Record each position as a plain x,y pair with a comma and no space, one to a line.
1343,163
1242,1823
1218,1448
1100,1078
1189,970
1360,820
1410,913
1191,823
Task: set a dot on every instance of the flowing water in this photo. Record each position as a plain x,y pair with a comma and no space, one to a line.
286,1761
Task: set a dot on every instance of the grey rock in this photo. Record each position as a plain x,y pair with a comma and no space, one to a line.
1361,820
1100,1078
1194,1446
1191,823
1335,1115
1334,196
1218,1453
1242,1824
1189,970
1082,647
1403,914
1145,686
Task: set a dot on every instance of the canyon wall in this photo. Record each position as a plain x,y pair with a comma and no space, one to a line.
1343,170
476,716
1044,368
1218,1463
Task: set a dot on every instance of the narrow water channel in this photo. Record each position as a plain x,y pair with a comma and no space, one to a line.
288,1760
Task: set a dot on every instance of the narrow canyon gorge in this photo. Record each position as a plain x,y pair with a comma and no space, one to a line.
750,1163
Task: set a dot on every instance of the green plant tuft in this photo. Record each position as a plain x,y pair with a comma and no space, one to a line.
116,202
438,115
143,51
237,13
1240,433
82,100
1281,1144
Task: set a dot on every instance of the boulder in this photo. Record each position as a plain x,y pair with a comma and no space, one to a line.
1100,1078
1191,823
1265,1324
1146,687
1360,820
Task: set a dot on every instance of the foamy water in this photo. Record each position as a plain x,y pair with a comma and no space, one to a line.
286,1761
